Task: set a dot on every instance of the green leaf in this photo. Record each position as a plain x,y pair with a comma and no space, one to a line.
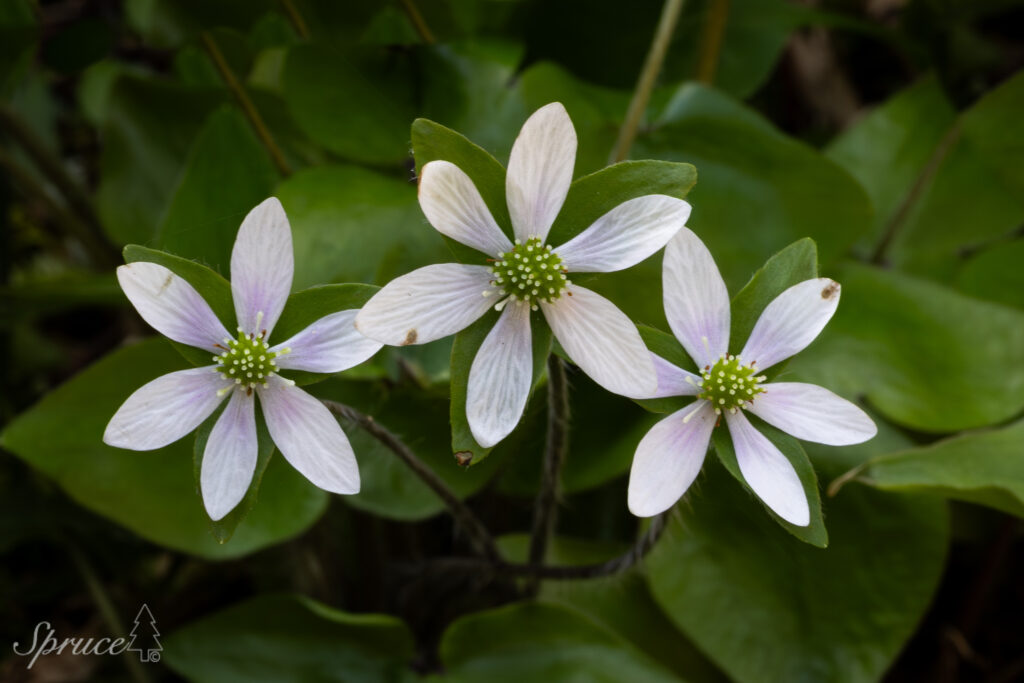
151,493
995,274
356,102
768,608
814,533
228,172
985,467
925,356
284,638
541,642
354,225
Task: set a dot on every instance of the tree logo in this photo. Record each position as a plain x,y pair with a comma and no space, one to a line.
145,636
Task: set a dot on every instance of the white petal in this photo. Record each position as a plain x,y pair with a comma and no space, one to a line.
500,377
540,171
171,305
669,458
454,207
262,265
427,304
673,380
602,341
229,459
166,409
626,235
791,321
813,413
331,344
309,437
696,300
768,472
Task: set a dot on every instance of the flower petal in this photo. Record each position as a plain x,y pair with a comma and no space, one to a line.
262,265
626,235
309,437
540,171
791,321
669,458
767,471
600,339
331,344
229,459
171,305
500,377
166,409
454,207
813,413
427,304
696,300
673,380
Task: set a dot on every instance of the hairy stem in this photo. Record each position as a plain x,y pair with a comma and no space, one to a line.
711,41
477,533
418,22
251,113
546,508
648,75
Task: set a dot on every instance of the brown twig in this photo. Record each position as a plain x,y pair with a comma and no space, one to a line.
295,17
479,537
711,41
418,22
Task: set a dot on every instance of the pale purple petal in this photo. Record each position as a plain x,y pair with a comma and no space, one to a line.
331,344
767,471
813,413
669,458
166,409
540,171
171,305
673,380
602,341
229,459
500,377
262,265
626,235
309,437
452,204
791,321
696,300
427,304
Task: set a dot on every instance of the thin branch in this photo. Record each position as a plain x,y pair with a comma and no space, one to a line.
295,17
545,510
479,537
418,22
560,573
648,75
251,113
91,230
711,41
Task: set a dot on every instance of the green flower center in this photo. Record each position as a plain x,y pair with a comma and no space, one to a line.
530,272
729,385
247,360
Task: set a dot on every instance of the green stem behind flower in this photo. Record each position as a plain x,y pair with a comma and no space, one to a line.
711,41
418,22
648,75
295,17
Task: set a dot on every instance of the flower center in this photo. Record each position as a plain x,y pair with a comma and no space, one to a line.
247,360
530,272
729,385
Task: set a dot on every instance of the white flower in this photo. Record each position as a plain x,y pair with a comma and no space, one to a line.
670,456
171,406
440,300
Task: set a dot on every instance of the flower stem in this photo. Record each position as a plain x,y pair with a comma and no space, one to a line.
479,537
246,104
418,22
711,41
546,507
648,75
295,17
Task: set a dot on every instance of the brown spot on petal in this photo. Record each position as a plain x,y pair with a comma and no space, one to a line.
464,458
166,284
410,337
830,290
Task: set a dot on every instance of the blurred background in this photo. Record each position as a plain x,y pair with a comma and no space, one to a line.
889,131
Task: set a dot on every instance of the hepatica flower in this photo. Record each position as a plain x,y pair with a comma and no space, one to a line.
670,456
244,366
526,275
